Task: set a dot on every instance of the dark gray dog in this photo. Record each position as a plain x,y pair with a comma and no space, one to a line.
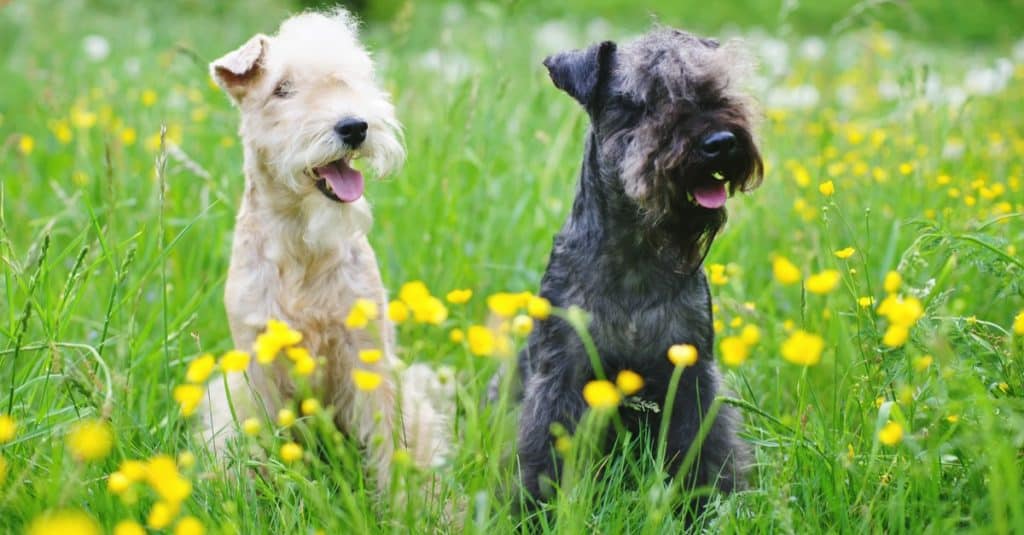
670,140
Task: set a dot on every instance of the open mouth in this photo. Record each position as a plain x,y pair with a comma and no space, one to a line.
339,182
711,193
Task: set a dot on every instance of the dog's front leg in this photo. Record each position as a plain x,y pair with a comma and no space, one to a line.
549,398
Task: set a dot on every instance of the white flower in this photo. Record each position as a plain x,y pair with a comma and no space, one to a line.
555,36
888,90
452,13
1018,51
813,49
775,55
799,97
97,48
953,149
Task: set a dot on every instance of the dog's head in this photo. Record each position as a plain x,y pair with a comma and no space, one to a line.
672,129
310,106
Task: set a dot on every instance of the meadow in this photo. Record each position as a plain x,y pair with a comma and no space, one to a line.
869,295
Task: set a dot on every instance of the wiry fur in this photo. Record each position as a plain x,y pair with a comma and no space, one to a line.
303,258
631,250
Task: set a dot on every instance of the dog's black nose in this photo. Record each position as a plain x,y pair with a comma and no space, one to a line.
718,144
352,131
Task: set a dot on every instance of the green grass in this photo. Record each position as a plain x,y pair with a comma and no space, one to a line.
111,287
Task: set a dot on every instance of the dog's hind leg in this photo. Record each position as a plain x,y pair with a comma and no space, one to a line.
372,419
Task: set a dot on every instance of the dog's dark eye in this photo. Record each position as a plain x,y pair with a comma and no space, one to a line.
284,89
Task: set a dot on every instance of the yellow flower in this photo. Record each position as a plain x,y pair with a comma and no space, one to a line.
370,356
1018,323
186,459
717,274
563,444
82,118
26,144
629,382
162,475
90,440
309,406
538,307
128,136
305,366
296,354
843,254
865,302
117,482
827,188
736,322
734,351
413,292
823,283
291,452
251,426
277,337
750,335
133,470
718,326
398,312
903,312
62,131
601,395
891,434
505,304
922,363
892,283
363,311
148,98
199,370
129,527
366,380
285,417
8,428
784,271
458,297
895,335
234,361
189,525
66,522
522,325
682,355
803,348
481,341
456,336
953,418
430,311
188,398
1003,387
161,515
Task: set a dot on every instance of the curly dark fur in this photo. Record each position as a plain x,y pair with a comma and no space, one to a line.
631,250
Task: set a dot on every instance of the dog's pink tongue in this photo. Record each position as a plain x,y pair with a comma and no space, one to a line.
347,183
710,195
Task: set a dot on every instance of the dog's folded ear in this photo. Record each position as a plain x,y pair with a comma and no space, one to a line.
581,72
237,70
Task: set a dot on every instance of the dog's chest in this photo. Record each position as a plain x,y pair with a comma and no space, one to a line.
311,293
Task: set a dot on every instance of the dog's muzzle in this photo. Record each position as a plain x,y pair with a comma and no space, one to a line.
720,153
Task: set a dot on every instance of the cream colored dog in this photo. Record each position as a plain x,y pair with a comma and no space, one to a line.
310,106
